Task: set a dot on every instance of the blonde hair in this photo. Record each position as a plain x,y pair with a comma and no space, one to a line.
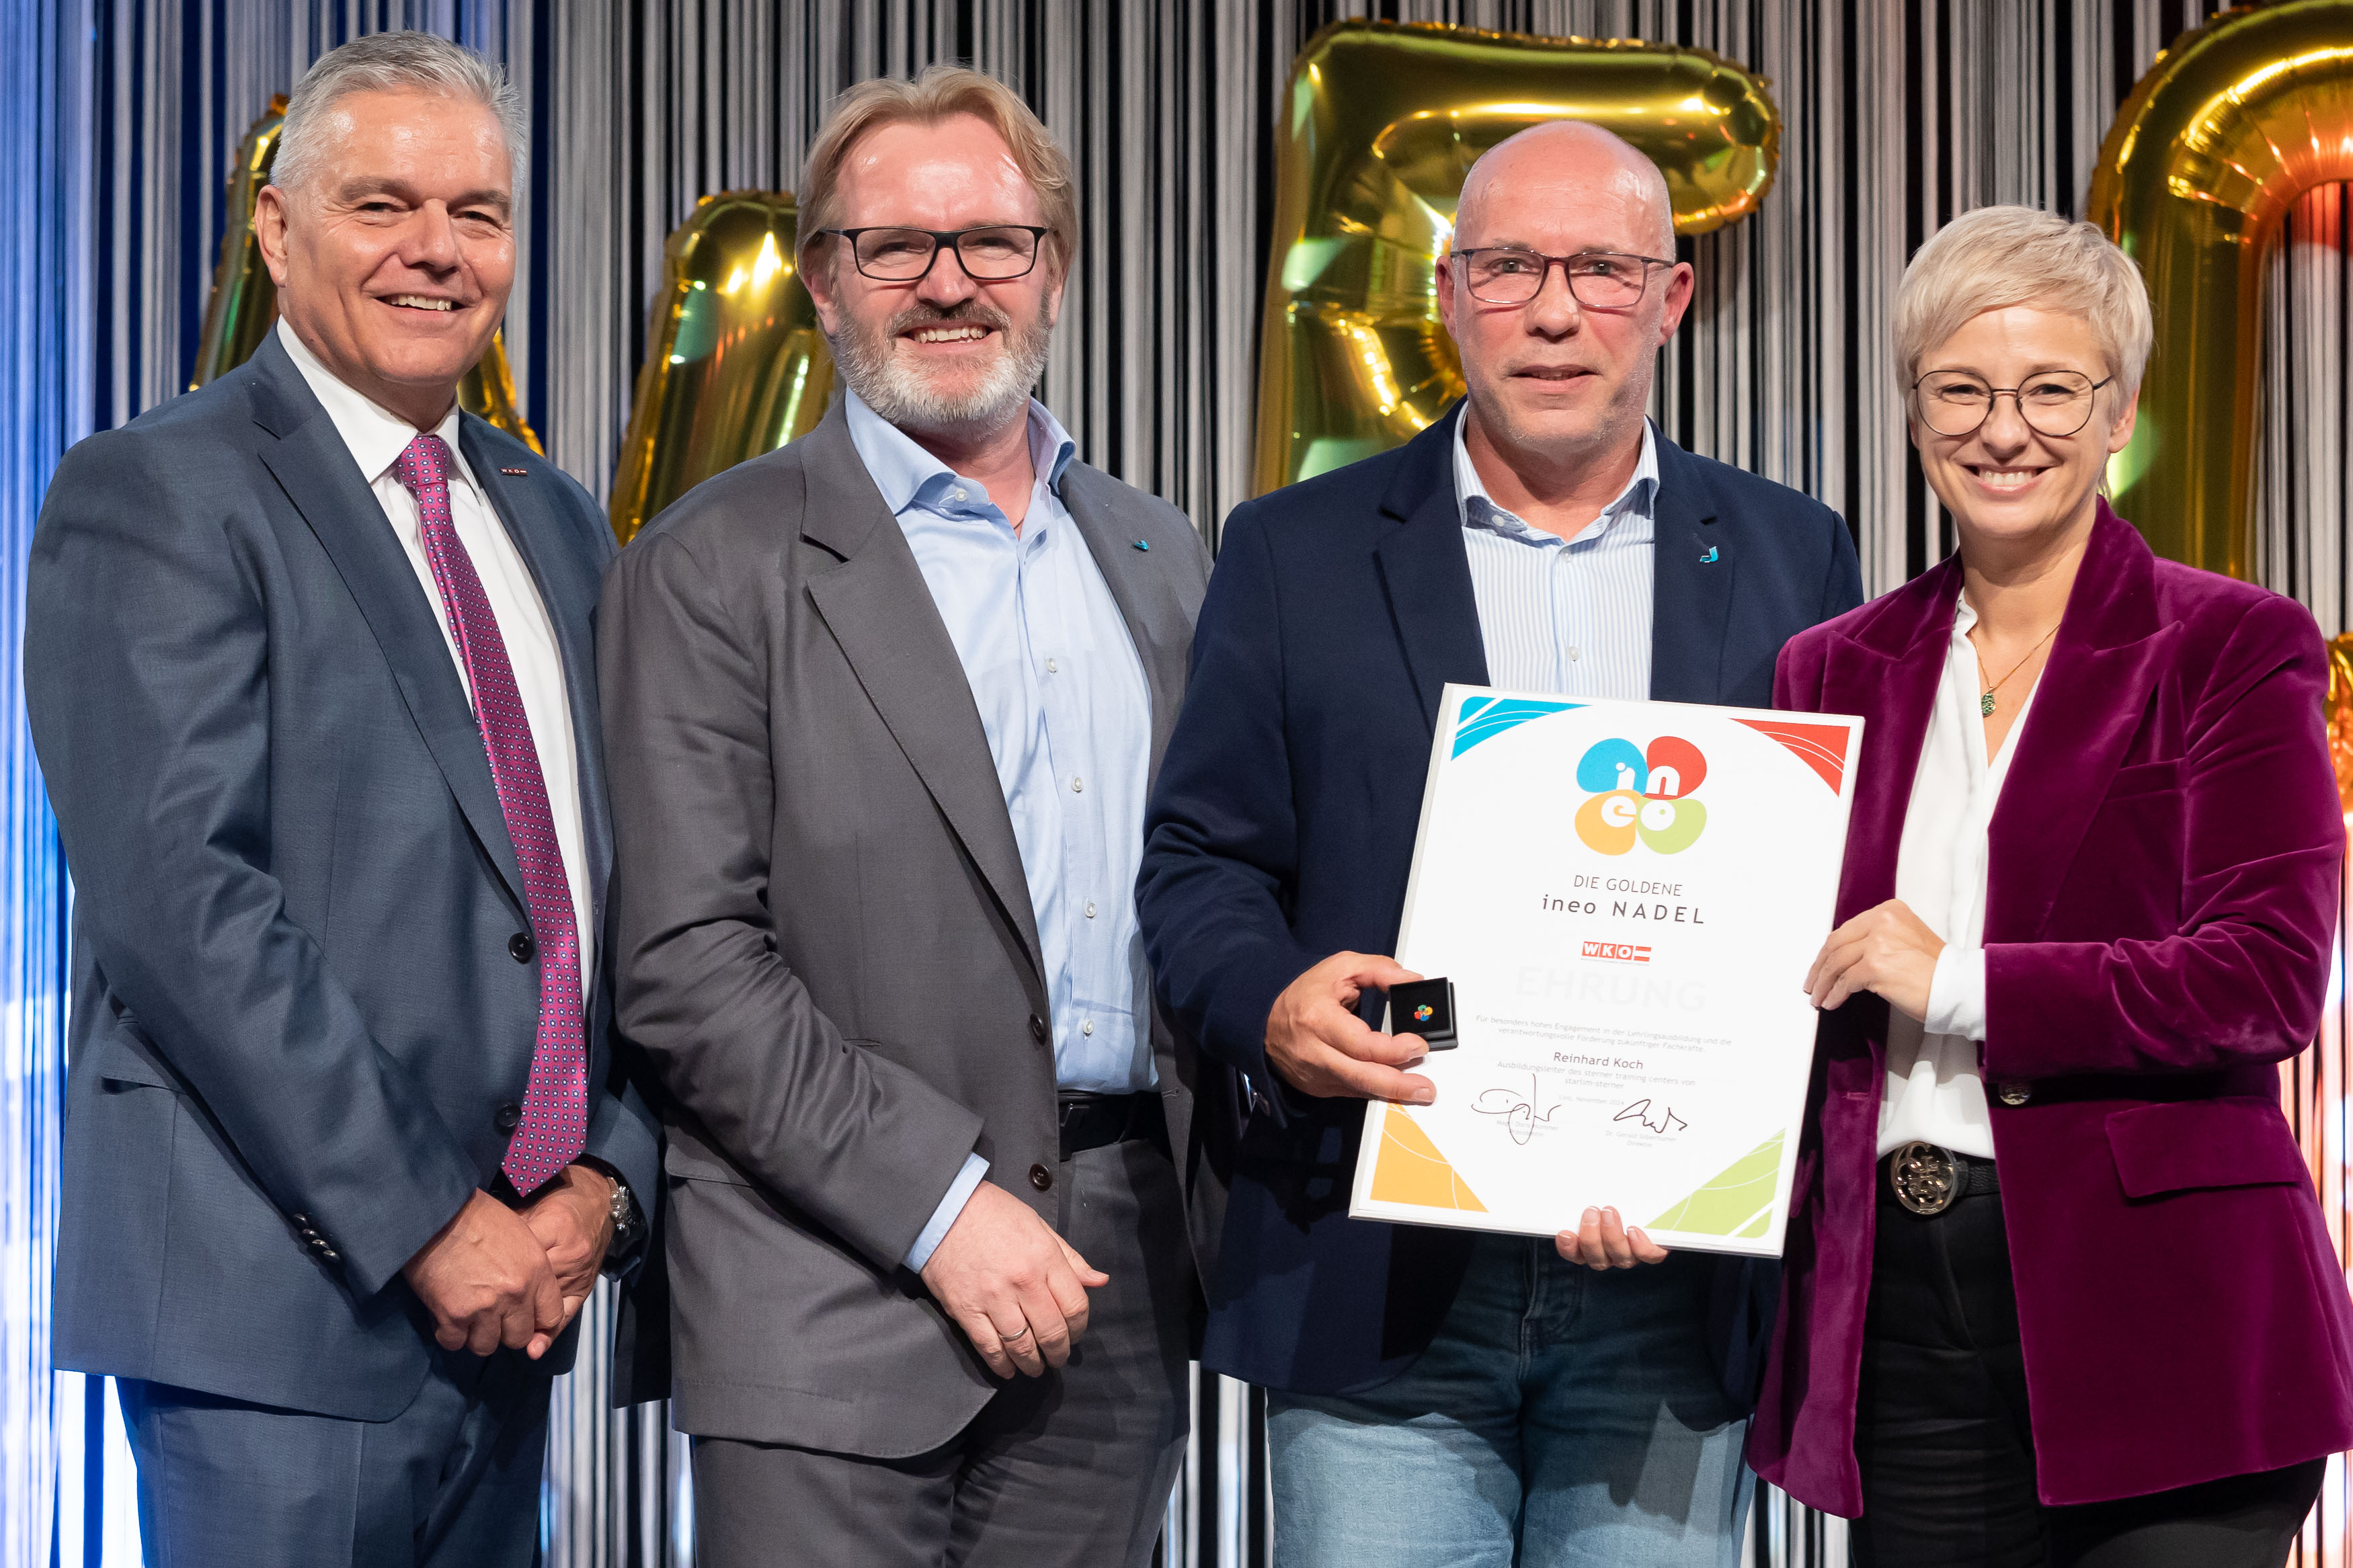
2003,256
940,92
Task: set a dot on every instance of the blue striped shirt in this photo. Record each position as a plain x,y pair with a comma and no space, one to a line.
1567,616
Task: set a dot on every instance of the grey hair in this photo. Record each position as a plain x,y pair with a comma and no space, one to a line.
392,62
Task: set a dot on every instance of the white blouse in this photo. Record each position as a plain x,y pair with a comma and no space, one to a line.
1934,1090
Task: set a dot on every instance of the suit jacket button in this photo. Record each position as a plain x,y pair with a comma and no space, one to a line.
519,947
508,1116
1037,1028
1040,1177
2013,1093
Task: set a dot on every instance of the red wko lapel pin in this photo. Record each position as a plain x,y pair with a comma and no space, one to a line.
518,473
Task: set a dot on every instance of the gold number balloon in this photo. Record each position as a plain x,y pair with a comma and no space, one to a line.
1380,124
244,302
2233,124
735,363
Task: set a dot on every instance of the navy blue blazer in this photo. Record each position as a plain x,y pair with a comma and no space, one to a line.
296,1015
1283,828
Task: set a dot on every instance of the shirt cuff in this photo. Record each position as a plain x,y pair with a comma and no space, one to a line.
959,1193
1956,994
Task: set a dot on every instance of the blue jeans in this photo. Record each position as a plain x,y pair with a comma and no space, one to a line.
1560,1417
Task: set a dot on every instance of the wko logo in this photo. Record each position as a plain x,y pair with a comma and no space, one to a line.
1618,951
1644,794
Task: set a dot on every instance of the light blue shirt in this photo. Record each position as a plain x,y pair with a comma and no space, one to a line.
1568,616
1068,715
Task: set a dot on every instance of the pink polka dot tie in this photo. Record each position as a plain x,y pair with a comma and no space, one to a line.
554,1123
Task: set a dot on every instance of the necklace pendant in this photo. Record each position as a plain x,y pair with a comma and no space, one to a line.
1985,705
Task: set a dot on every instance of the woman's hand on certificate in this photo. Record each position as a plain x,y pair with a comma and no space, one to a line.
1319,1045
1604,1241
1885,949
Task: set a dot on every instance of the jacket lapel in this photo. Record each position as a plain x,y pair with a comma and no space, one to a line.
522,503
314,468
1425,571
1139,585
1693,565
881,613
2095,690
1888,671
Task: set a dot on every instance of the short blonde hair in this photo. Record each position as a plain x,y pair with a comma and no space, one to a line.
940,92
2003,256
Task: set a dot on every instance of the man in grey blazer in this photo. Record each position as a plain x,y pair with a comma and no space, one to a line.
341,1158
881,710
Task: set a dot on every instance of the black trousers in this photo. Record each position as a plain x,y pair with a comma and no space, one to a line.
1947,1458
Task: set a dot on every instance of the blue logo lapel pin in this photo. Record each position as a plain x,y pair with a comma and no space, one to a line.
1144,544
1712,557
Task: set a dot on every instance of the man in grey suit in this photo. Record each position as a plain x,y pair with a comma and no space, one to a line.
308,662
881,708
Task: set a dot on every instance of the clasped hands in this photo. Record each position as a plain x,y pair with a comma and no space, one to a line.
496,1276
1317,1044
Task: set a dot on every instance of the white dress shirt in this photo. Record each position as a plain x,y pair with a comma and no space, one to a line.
1569,616
1936,1088
376,437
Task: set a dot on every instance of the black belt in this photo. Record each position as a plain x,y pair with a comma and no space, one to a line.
1927,1179
1092,1121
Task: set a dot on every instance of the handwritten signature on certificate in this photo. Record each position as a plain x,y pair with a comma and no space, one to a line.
1662,1121
1520,1114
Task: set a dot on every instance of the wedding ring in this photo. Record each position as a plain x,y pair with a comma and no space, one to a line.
1021,1332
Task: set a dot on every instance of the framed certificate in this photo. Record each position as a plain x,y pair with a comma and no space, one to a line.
1622,899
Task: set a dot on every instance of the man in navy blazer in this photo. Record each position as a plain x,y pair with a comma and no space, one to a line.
309,667
1437,1395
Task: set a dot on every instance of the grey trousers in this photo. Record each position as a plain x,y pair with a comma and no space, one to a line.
1073,1468
450,1482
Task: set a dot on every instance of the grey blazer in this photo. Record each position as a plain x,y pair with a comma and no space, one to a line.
295,1016
823,937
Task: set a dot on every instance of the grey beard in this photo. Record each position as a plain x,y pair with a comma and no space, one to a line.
898,392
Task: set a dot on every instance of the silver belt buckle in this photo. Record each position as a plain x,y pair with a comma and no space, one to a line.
1926,1178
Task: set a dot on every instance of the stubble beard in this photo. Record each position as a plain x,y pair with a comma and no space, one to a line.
907,397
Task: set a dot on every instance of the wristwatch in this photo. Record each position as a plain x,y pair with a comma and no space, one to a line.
628,1219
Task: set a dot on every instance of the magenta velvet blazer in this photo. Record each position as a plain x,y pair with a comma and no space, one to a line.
2161,903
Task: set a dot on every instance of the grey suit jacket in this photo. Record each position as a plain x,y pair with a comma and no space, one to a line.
823,937
295,1012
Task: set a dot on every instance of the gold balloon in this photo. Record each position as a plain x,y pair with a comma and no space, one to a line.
1380,124
243,306
2340,713
735,363
2234,123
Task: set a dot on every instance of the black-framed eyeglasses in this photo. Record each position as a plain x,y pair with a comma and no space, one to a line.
997,253
1510,275
2053,401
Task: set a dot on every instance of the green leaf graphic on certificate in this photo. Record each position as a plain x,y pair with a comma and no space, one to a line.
1738,1202
1412,1171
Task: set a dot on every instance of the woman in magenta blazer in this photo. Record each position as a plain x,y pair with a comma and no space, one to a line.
2057,1286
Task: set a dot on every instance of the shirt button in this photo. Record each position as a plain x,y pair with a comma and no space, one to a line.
1088,1027
1078,785
957,494
1090,909
1572,653
1052,668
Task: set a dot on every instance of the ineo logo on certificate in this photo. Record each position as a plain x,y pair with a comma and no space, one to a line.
1616,903
1642,794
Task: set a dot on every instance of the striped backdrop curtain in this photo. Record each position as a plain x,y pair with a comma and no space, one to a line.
1898,115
